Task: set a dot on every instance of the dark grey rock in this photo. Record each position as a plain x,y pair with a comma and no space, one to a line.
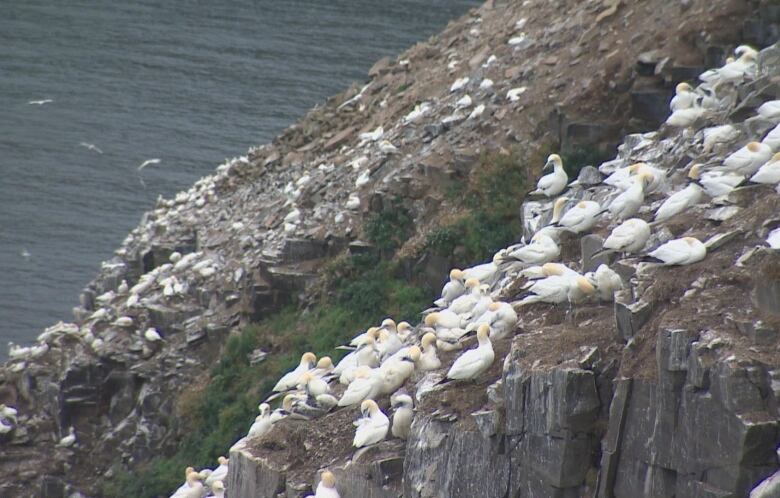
630,316
487,422
249,476
589,245
588,176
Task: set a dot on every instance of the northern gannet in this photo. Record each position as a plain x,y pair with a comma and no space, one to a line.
542,249
366,384
453,289
628,237
372,136
628,202
393,374
429,359
486,84
152,335
718,135
502,319
8,413
464,102
486,273
148,162
40,102
124,321
474,361
683,118
732,71
546,270
404,330
389,342
465,303
324,367
217,489
769,172
554,183
372,427
419,111
262,423
361,339
559,289
363,178
290,379
679,202
770,110
684,251
459,84
684,97
716,183
365,355
192,488
514,94
582,217
327,487
385,147
606,281
748,159
772,138
218,474
403,415
68,440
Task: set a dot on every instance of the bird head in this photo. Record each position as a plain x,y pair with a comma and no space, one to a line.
328,479
584,285
558,207
456,274
372,333
646,178
325,362
428,339
683,88
414,354
222,460
264,408
368,407
218,486
430,320
309,358
404,327
362,372
494,306
775,157
483,332
753,147
472,282
401,400
553,160
388,324
288,402
691,240
695,172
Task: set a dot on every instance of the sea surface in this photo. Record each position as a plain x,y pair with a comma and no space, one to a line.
188,82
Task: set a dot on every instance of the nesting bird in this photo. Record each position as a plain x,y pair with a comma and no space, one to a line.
372,427
628,237
684,251
554,183
327,487
291,379
474,362
403,415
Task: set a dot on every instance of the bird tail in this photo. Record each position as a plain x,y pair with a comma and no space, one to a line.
529,300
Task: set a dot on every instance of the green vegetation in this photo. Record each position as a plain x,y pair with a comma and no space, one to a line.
492,195
358,291
216,416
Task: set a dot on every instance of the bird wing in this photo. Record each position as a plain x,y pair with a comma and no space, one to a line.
356,392
545,182
673,252
467,364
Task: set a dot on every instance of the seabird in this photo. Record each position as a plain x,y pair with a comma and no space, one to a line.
772,138
217,489
747,160
148,162
429,359
92,147
684,251
291,379
372,427
514,94
372,136
628,202
40,102
68,440
716,183
192,488
366,384
582,217
606,281
218,474
554,183
474,361
542,249
679,201
464,102
327,487
628,237
559,289
386,147
720,135
459,84
403,415
770,110
684,97
769,172
262,423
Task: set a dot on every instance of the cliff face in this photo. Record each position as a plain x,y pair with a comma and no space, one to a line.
671,391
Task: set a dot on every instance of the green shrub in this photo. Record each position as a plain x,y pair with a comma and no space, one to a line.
390,228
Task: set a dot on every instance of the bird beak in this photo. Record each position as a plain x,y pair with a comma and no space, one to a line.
548,166
468,335
407,358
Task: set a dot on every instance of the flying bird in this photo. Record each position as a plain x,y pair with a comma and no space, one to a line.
40,102
92,147
148,162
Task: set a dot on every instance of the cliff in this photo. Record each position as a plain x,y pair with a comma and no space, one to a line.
671,391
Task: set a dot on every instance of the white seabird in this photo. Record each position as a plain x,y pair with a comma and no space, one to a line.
582,217
606,281
716,183
772,138
683,118
366,384
291,379
372,427
474,361
385,147
559,289
747,160
465,303
40,102
770,110
372,136
542,249
769,172
554,183
327,487
394,373
262,423
403,415
91,147
719,135
452,289
148,162
192,488
684,97
501,317
684,251
152,335
679,202
68,440
429,359
220,473
514,94
628,237
217,490
628,202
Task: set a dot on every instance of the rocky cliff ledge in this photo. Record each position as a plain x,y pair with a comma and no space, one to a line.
671,392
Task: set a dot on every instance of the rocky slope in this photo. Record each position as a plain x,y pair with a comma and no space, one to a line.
613,400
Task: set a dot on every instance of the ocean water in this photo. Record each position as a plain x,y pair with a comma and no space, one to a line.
188,82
